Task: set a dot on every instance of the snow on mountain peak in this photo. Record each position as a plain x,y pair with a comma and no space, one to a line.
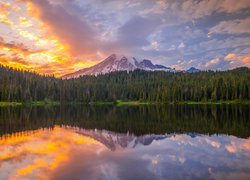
118,62
130,59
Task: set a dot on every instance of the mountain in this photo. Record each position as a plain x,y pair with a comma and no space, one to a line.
119,63
192,70
114,141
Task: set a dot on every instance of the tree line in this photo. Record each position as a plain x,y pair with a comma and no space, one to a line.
22,86
139,120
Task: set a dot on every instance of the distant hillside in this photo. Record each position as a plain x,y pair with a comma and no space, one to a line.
138,85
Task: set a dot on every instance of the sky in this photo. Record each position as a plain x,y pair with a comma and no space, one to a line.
62,36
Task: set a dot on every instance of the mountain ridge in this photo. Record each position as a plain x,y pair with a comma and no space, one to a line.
117,62
113,140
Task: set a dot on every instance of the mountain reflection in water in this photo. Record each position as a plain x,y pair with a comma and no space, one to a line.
72,153
128,142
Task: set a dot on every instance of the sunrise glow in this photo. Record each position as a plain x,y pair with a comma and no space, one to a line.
59,37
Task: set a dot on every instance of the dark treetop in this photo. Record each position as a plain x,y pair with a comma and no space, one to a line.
21,86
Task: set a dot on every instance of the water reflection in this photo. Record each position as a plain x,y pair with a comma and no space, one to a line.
66,152
128,142
203,119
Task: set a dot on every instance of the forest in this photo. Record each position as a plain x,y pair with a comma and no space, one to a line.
22,86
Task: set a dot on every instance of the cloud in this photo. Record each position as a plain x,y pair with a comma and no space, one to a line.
218,47
184,64
135,31
229,61
238,60
188,10
4,19
133,4
81,33
231,149
246,60
70,29
20,47
181,45
230,56
24,22
230,6
198,9
133,34
159,7
5,8
238,26
212,63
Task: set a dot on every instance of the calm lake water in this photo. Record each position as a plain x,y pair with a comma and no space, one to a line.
125,142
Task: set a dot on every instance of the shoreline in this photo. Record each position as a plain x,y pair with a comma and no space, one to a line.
121,103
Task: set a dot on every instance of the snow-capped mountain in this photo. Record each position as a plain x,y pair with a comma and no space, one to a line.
123,63
114,141
119,63
192,70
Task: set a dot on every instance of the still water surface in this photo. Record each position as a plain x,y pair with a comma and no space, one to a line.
127,142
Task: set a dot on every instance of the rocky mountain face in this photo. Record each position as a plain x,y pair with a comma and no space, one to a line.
193,70
121,63
118,63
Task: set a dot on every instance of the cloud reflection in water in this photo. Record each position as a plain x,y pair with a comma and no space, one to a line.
73,153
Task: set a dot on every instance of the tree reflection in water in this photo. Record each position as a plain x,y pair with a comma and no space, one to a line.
204,119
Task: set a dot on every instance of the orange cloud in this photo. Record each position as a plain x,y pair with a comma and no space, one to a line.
47,47
231,149
12,46
24,22
246,60
68,29
5,8
230,56
4,19
42,151
247,145
237,59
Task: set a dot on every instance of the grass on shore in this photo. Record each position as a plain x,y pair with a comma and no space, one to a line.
33,103
182,102
10,104
43,103
120,103
214,102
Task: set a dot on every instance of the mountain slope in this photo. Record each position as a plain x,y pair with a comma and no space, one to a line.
192,70
118,63
115,141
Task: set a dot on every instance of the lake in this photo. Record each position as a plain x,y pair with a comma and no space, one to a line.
125,142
